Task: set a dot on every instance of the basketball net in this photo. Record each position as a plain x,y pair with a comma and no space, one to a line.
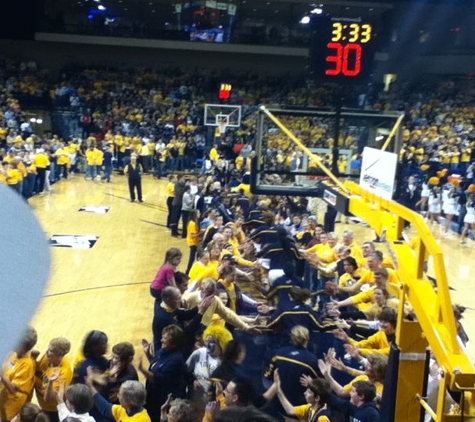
222,127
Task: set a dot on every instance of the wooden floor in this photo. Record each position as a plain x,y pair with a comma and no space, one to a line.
106,287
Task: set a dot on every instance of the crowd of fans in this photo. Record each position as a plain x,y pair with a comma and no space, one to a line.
257,264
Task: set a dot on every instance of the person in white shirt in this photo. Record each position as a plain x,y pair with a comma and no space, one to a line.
79,401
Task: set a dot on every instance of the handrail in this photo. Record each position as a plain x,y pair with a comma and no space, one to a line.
426,407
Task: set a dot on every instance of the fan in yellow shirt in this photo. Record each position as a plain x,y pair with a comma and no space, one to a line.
213,154
193,237
53,369
131,398
18,377
63,160
317,394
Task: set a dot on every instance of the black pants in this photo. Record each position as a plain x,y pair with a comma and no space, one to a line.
185,216
63,168
329,219
40,179
169,206
145,161
135,184
176,213
193,250
461,216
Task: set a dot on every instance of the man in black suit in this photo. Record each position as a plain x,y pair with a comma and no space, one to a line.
134,172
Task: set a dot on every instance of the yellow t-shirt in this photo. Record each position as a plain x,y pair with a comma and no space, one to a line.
306,413
43,373
91,156
197,272
213,154
231,291
193,229
239,162
21,372
72,148
120,415
345,280
171,189
378,385
63,156
14,177
99,157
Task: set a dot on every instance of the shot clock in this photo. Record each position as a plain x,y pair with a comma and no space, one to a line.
342,50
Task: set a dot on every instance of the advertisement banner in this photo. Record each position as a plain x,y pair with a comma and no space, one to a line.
378,172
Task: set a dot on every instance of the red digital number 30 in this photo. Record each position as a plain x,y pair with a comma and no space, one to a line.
341,59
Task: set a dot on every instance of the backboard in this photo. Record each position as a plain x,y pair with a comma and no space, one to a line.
219,114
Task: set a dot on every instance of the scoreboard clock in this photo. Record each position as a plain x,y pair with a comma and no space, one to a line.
342,50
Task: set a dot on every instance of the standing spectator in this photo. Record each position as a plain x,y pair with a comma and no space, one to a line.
18,377
41,162
131,402
170,196
107,164
193,237
145,157
63,160
91,163
166,274
134,173
469,219
317,394
177,204
121,370
99,159
188,203
362,398
93,351
292,362
165,374
79,402
53,369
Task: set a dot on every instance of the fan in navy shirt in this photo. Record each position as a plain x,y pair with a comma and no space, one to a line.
166,372
362,407
296,312
293,362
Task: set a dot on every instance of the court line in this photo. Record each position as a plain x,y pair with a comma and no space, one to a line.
95,288
155,224
144,204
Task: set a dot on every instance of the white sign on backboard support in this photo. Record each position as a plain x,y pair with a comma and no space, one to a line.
378,172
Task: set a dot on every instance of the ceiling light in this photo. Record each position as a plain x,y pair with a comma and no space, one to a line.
317,11
305,20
